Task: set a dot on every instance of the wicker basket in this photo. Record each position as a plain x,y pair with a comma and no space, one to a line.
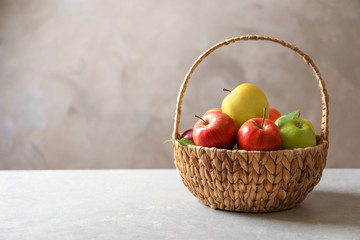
251,181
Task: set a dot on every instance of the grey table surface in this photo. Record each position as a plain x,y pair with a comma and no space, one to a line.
154,204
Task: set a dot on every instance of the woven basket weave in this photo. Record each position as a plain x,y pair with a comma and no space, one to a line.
251,181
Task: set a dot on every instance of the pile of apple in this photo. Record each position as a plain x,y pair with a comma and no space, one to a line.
245,121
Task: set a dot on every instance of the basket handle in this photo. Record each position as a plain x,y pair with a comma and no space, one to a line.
306,58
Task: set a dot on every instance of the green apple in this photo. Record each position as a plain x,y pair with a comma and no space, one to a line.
297,133
307,121
244,102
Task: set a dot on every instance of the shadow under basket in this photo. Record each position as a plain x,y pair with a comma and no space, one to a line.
251,181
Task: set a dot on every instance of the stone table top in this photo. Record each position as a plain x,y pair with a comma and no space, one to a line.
154,204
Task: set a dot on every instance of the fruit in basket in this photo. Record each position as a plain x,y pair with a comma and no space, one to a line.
188,134
297,133
215,129
259,134
274,114
213,110
246,101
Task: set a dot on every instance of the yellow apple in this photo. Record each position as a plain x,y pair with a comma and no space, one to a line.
244,102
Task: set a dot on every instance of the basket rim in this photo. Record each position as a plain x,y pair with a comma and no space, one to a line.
324,143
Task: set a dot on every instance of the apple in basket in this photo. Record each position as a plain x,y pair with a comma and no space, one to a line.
188,134
215,129
244,102
259,134
274,114
296,132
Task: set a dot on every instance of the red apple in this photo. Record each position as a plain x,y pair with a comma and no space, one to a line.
213,110
274,114
188,134
259,134
215,129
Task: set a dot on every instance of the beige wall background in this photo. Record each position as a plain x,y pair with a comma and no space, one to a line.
93,84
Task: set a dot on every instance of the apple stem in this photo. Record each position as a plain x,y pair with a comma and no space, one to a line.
225,89
201,119
262,124
298,115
